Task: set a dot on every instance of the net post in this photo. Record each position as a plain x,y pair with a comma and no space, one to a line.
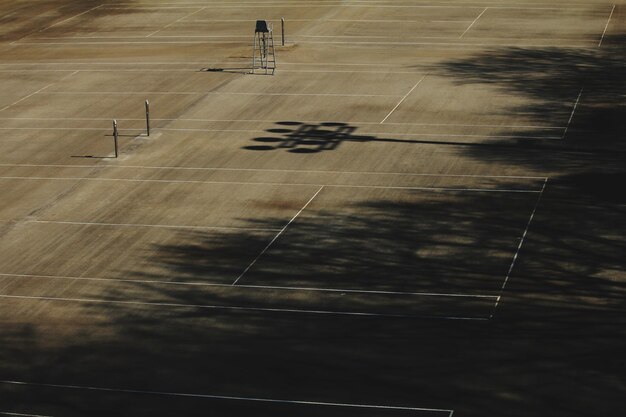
282,30
147,118
115,135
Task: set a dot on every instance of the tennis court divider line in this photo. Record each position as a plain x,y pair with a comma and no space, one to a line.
232,398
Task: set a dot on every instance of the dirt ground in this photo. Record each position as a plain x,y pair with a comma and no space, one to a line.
417,214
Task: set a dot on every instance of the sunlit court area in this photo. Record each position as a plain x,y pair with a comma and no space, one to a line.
338,208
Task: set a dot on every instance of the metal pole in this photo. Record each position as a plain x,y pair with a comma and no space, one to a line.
148,117
115,134
282,30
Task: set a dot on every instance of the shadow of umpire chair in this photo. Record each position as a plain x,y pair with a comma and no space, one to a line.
309,138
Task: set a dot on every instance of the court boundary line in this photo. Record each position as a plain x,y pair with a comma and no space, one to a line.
403,98
519,248
176,21
238,308
233,398
473,23
282,170
9,413
137,180
268,121
156,226
261,287
40,90
591,43
382,136
217,93
70,18
378,4
606,27
571,116
277,236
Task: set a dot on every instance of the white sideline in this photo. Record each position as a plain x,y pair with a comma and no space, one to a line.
228,397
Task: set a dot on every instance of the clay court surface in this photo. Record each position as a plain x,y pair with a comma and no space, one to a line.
420,213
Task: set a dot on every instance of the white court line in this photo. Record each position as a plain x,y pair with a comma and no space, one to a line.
473,23
235,398
381,135
28,96
434,189
519,247
606,27
7,413
302,121
257,287
277,236
278,170
238,5
248,44
156,226
571,116
277,19
402,99
70,18
176,21
39,91
236,308
219,93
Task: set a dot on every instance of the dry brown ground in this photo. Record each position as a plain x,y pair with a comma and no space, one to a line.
419,210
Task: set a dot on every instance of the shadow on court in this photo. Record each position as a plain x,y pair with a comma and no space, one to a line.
560,322
555,346
554,79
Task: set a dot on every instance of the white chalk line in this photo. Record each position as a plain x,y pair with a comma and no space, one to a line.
39,91
108,119
277,236
237,308
606,27
174,22
238,5
274,184
258,287
26,97
473,23
224,93
8,413
70,18
381,135
167,167
519,247
571,117
227,397
402,99
591,43
277,19
156,226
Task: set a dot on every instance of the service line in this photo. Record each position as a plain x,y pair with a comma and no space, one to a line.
606,27
519,247
174,22
473,23
402,99
277,236
256,287
236,398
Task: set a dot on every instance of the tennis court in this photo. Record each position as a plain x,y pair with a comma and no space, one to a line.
361,233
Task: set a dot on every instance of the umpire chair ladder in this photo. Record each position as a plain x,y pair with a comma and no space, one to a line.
263,54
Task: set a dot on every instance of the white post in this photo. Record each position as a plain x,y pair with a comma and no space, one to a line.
147,118
115,135
282,30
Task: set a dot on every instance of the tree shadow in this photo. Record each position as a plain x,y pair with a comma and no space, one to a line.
551,79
